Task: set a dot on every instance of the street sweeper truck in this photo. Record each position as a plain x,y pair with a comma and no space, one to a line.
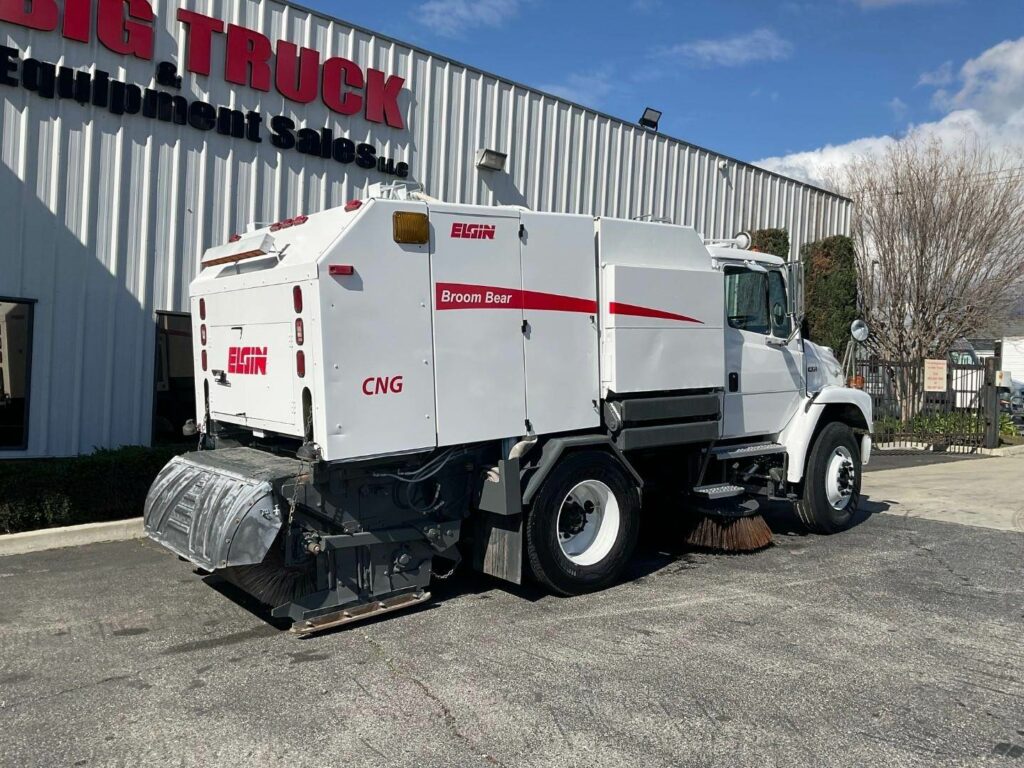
391,388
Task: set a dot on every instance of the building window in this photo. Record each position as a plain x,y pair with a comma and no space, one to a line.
174,398
15,372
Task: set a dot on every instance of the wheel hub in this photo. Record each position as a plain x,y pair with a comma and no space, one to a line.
588,522
574,518
840,478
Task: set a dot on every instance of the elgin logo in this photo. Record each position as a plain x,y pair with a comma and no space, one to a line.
247,361
473,231
383,385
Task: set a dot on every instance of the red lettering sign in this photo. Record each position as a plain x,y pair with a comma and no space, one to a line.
37,14
199,40
464,231
123,26
338,74
383,385
298,72
247,361
127,27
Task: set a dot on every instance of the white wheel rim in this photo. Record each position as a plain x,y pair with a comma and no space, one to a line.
840,478
588,523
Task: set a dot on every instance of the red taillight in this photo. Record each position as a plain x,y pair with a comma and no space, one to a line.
202,309
297,298
342,270
300,334
300,364
203,357
202,334
353,205
234,238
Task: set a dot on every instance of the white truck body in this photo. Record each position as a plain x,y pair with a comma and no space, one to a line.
487,336
442,382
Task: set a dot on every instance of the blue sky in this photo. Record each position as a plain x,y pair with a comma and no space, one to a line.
751,78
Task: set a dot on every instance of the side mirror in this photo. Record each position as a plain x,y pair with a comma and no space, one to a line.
794,293
860,331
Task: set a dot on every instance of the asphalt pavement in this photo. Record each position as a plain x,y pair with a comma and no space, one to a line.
897,643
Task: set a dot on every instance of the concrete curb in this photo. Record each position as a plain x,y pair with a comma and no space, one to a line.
70,536
1010,450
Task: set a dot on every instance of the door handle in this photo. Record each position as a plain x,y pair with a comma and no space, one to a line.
734,382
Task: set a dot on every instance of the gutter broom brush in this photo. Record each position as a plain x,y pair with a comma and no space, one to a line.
731,535
726,525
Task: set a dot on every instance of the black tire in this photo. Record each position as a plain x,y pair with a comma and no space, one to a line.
548,563
814,508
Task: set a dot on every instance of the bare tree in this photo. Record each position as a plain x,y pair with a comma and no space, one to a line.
940,247
940,242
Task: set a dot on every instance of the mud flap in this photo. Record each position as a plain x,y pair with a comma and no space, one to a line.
212,509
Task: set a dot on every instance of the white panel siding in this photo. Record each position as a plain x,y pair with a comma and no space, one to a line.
104,218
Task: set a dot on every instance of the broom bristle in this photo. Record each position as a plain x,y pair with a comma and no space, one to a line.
729,534
271,582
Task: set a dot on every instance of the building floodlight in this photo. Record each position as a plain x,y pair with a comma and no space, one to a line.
490,160
650,118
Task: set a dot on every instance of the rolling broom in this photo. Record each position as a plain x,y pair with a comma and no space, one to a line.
728,533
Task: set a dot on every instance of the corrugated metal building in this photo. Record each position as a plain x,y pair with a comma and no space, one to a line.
129,145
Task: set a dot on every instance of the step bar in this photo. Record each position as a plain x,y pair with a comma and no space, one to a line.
746,450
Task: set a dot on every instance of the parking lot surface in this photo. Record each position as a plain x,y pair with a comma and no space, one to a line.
896,643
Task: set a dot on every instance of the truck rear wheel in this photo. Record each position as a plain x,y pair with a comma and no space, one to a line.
582,526
831,490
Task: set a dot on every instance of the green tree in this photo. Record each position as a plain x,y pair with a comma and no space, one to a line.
830,291
773,241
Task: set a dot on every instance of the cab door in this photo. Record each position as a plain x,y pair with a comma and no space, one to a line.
764,373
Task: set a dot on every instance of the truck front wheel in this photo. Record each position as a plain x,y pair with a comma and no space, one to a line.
582,526
831,489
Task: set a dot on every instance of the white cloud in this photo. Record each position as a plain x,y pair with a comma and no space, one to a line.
939,77
993,83
898,107
452,17
586,88
989,105
759,45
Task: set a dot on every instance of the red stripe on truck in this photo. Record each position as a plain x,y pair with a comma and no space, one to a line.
466,296
632,310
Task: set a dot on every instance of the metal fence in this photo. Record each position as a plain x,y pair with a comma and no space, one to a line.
910,415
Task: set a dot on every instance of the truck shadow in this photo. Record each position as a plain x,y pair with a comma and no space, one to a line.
783,520
661,546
